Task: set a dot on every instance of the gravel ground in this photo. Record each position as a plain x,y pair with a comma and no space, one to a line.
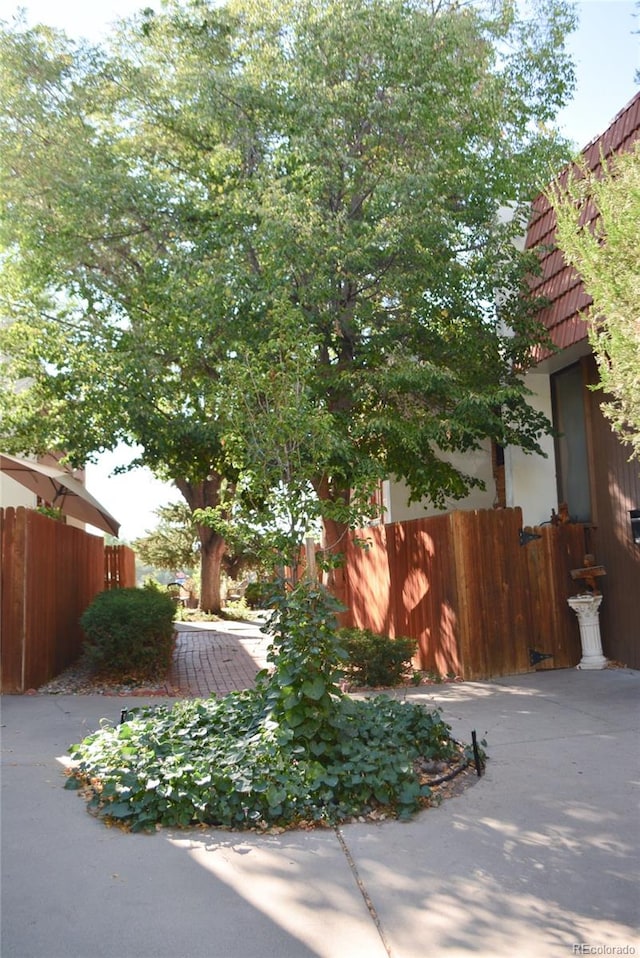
78,680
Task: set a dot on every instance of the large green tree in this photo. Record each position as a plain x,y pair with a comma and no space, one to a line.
599,234
104,318
220,167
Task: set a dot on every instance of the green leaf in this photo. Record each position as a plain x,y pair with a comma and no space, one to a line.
314,689
275,795
330,779
119,810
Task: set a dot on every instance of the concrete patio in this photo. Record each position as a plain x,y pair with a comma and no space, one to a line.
539,858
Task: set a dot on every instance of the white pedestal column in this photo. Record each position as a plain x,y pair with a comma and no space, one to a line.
587,608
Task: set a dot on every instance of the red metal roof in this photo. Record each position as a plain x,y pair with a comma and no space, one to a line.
558,282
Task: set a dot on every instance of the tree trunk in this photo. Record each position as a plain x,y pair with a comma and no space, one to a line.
212,550
335,542
200,495
336,537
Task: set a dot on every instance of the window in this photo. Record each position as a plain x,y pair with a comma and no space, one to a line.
572,462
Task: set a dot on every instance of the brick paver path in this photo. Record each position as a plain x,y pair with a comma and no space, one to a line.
217,658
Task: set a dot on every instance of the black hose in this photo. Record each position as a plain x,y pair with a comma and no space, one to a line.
449,776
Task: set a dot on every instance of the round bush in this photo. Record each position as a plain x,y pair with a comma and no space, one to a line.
130,632
258,595
376,660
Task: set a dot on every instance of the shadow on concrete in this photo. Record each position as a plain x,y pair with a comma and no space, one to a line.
558,874
72,888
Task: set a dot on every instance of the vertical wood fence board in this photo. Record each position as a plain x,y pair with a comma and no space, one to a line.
423,592
447,652
543,586
521,594
521,597
539,555
486,591
542,593
40,600
463,608
72,585
488,541
70,557
129,567
507,640
505,592
480,581
408,575
13,604
419,594
40,571
472,651
400,538
368,582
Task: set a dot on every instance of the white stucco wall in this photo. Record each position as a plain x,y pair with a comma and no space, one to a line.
13,495
531,479
395,494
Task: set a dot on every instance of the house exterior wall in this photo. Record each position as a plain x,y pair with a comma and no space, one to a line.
13,495
530,480
613,482
477,464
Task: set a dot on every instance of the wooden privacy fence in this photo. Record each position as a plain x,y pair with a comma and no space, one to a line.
119,567
477,601
49,573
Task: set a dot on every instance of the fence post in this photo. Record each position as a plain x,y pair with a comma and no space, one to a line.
310,549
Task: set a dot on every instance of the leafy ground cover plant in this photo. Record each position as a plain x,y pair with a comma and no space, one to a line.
376,660
226,762
293,750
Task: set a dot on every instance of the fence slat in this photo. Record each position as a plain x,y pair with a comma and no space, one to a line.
13,598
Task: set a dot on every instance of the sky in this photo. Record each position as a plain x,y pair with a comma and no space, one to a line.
606,54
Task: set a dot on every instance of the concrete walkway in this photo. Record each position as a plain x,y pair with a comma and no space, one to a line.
539,859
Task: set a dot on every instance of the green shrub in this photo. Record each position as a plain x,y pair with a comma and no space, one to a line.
259,595
130,632
376,660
